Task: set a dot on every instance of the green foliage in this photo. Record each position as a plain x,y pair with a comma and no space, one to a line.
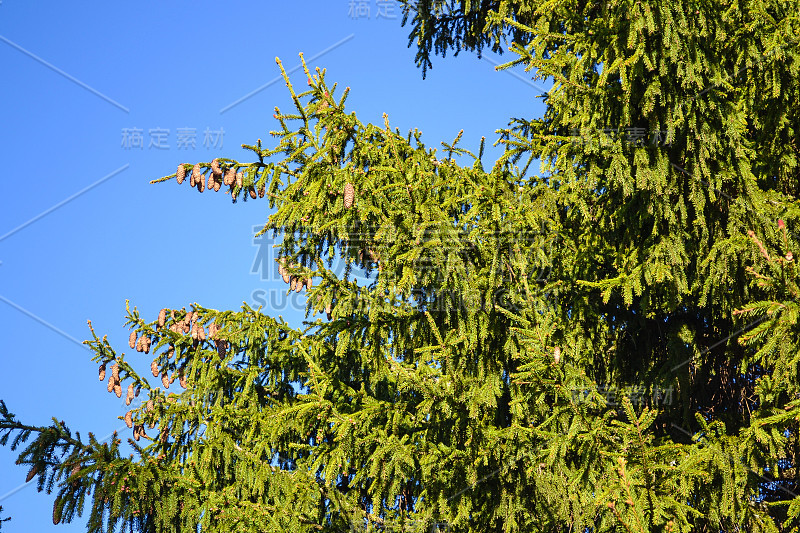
483,317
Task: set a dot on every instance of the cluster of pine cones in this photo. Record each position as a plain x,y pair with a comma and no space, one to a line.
295,282
187,324
216,179
114,384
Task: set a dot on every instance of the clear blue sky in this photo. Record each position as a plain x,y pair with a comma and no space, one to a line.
76,75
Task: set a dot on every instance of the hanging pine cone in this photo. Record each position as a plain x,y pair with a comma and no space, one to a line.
32,472
222,348
75,470
57,512
149,405
299,285
309,284
328,310
201,333
132,340
217,185
170,351
262,190
197,175
102,372
183,380
282,271
154,368
557,354
146,344
136,432
239,179
139,347
162,318
164,434
293,283
188,318
130,394
181,173
212,330
129,419
165,380
215,170
115,372
349,195
118,389
201,184
230,177
253,194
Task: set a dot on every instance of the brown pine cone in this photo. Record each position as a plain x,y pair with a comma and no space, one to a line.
309,284
129,395
197,175
188,318
115,372
149,405
32,472
165,380
170,351
162,318
328,310
349,195
262,190
146,344
56,512
299,285
132,340
154,368
201,333
283,272
129,419
217,185
230,177
102,372
201,183
183,381
215,170
212,330
139,347
222,348
136,432
253,194
75,470
181,174
164,434
118,389
293,283
138,390
239,178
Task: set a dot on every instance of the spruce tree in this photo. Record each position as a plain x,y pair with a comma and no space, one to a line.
608,344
